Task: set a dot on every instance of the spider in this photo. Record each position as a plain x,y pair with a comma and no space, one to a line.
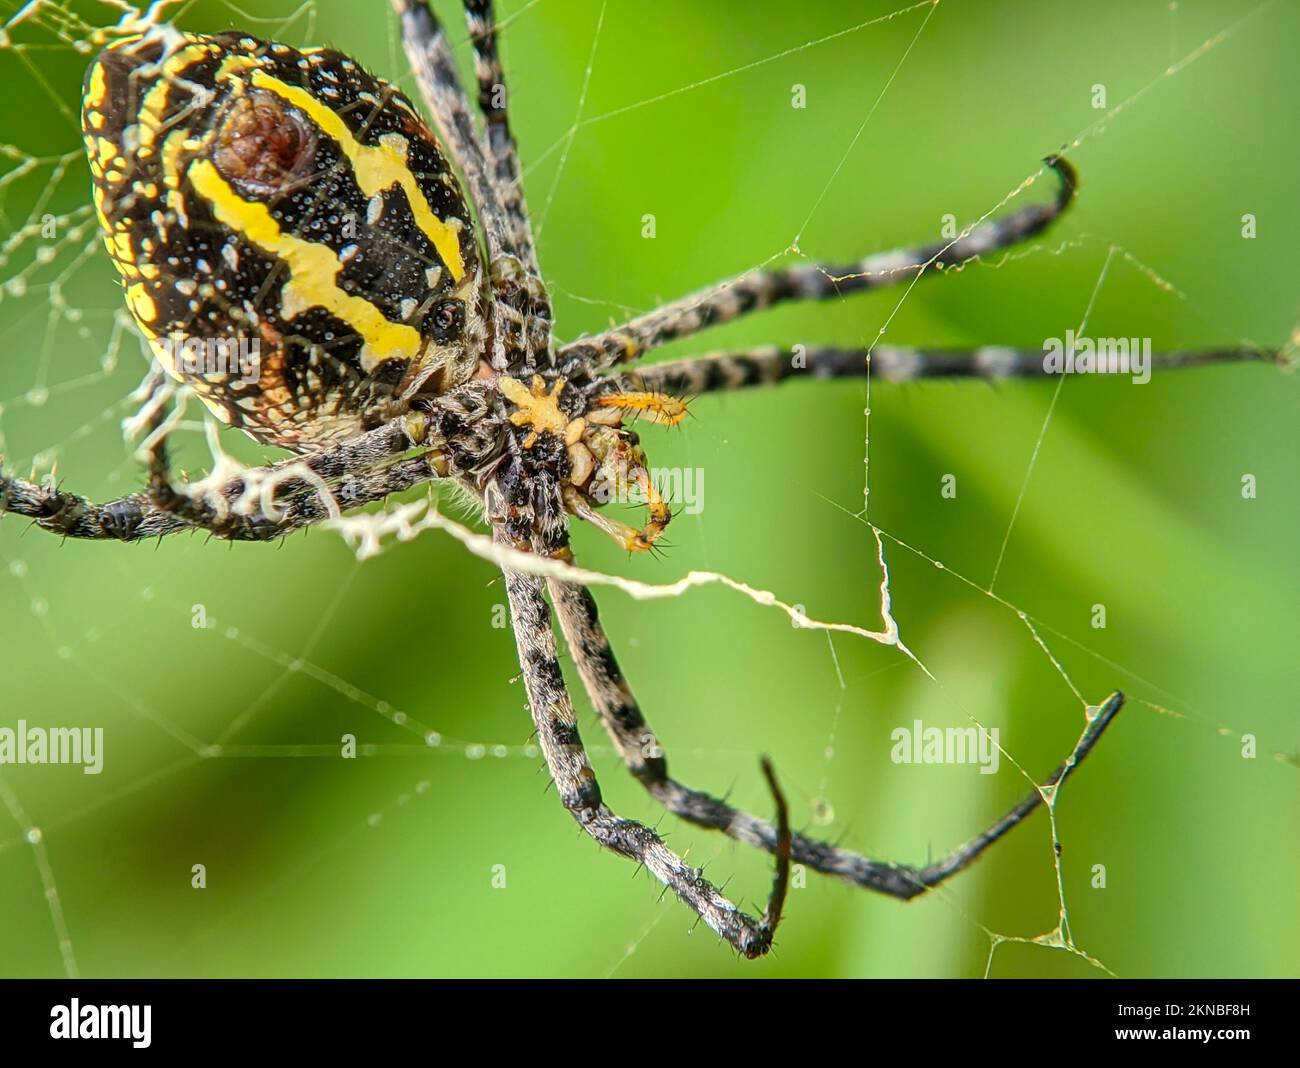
256,192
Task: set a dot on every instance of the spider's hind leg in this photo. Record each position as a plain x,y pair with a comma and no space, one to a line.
70,515
210,511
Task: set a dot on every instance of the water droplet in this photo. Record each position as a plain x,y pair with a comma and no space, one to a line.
822,812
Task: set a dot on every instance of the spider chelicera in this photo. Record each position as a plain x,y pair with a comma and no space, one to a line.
255,193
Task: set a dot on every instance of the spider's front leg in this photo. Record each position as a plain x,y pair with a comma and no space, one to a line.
769,364
640,749
757,290
557,733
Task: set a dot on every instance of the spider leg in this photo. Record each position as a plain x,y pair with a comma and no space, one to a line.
435,71
69,515
557,732
639,747
503,153
631,539
762,289
521,309
891,363
135,518
519,282
167,509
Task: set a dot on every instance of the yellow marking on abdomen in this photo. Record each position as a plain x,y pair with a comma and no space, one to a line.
142,307
97,87
154,104
376,168
313,270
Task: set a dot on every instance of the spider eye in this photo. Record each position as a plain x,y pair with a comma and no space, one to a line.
445,320
263,146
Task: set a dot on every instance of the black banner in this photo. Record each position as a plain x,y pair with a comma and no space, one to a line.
144,1017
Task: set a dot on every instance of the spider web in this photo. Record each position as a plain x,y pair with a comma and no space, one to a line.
859,599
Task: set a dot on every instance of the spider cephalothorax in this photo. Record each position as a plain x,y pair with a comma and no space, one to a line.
256,193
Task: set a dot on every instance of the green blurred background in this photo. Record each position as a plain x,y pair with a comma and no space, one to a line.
384,865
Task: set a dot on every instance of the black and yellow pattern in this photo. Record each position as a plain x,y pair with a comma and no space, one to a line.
251,190
295,206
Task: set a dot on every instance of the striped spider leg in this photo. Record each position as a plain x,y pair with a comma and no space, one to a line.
503,153
642,754
356,472
756,290
434,66
134,517
557,733
521,308
770,364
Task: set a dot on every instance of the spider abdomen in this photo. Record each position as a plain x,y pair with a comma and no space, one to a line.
291,238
